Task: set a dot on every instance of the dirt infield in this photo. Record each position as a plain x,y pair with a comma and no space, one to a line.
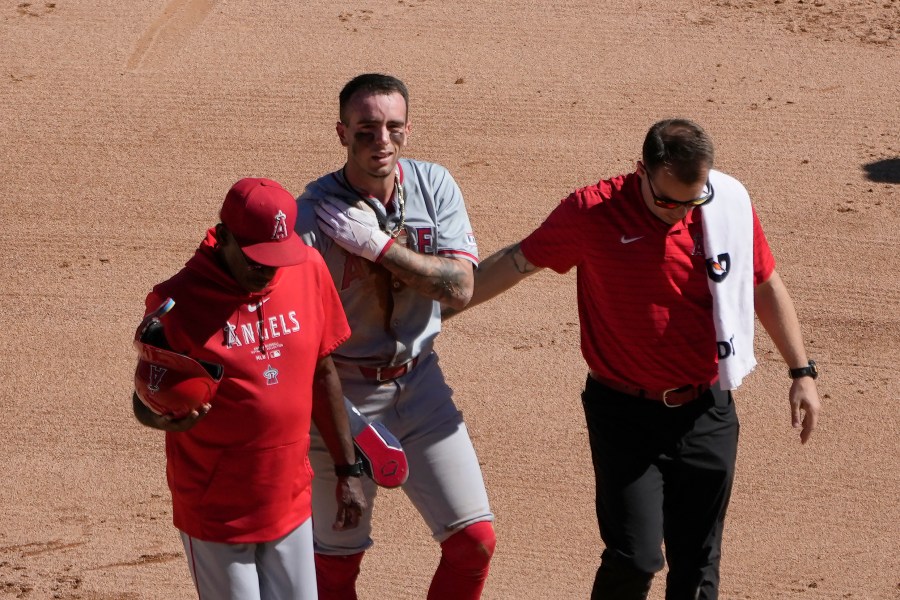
124,123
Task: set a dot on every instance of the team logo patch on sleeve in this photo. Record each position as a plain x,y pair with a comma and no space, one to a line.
717,268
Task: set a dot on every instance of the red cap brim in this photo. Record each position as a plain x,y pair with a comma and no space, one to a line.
281,253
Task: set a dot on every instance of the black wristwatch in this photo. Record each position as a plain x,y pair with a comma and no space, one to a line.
354,470
809,370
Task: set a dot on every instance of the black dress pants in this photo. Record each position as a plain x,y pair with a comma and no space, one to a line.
662,475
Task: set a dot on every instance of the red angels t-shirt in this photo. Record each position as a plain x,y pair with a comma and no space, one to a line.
643,298
242,474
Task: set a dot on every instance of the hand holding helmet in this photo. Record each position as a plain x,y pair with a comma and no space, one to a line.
172,385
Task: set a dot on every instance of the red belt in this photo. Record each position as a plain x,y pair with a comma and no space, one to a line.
671,397
388,373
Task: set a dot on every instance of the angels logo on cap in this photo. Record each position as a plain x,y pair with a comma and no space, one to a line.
156,375
280,232
252,207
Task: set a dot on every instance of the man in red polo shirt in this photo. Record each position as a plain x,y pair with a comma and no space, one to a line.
255,300
671,263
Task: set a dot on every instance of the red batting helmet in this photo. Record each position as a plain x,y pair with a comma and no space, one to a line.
167,382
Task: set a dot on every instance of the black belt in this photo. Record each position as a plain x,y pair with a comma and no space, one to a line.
671,397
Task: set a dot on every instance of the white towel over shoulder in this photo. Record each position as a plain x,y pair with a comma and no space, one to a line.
728,247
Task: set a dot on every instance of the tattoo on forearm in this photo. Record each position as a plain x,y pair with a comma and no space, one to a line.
438,278
519,260
445,280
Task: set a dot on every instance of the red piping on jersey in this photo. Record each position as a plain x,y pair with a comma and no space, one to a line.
385,249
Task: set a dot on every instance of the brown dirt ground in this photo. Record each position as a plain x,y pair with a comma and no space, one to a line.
123,124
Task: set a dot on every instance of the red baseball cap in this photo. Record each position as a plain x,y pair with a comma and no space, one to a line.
261,214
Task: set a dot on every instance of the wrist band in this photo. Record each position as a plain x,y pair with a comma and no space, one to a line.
354,470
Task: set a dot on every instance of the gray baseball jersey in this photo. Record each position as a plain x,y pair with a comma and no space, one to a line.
391,324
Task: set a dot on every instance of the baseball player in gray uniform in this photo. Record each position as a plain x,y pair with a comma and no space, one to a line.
397,240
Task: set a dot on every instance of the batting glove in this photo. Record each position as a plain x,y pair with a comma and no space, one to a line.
355,230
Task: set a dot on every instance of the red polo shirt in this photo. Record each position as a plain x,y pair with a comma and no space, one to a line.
242,474
643,299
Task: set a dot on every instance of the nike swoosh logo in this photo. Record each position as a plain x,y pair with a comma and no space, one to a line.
253,307
628,240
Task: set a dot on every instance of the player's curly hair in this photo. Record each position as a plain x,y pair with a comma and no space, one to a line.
371,83
681,146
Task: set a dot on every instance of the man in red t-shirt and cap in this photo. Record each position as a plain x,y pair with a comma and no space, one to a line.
255,301
672,263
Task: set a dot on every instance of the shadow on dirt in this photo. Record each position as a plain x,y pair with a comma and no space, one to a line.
883,171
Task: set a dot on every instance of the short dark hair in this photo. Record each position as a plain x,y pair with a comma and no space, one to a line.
680,145
371,83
